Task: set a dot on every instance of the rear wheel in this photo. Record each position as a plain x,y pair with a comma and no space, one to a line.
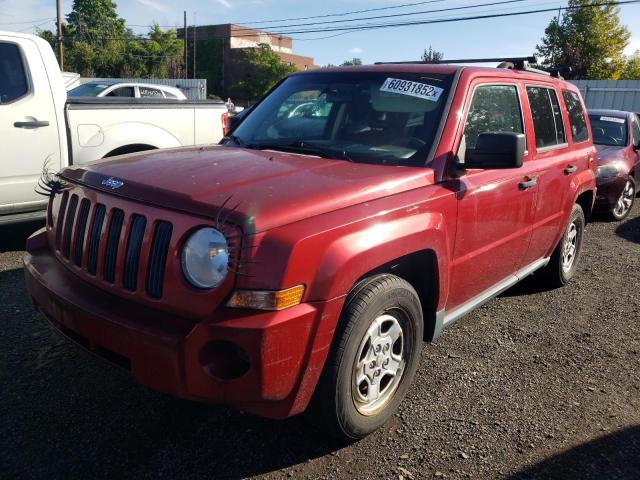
625,202
374,355
564,261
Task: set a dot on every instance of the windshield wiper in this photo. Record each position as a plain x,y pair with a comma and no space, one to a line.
236,139
305,148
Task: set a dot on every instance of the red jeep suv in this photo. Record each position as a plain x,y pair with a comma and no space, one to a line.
352,214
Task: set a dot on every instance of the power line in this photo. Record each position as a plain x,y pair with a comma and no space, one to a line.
33,22
378,17
316,16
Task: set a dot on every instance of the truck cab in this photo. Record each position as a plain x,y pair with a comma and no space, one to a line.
299,265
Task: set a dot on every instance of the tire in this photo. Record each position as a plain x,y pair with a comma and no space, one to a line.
625,202
564,261
366,341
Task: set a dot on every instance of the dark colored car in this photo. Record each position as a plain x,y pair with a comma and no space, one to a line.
616,135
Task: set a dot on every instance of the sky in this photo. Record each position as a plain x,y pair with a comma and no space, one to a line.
499,37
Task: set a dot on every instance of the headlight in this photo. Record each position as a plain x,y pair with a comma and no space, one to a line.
205,258
607,171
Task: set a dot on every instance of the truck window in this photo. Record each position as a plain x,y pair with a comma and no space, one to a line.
146,92
13,79
494,108
547,117
122,92
577,121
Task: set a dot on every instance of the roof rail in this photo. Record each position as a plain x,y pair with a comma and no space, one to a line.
513,63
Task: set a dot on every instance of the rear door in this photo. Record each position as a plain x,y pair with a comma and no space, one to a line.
28,125
560,149
495,206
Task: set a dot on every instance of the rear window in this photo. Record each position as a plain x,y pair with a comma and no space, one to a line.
146,92
577,120
547,117
609,130
13,79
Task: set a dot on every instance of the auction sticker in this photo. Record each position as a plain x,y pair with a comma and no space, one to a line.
413,89
612,119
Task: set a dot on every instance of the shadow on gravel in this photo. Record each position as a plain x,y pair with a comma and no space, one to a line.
65,414
613,456
630,230
529,286
14,237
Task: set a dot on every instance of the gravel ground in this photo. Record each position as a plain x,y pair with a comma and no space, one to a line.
535,385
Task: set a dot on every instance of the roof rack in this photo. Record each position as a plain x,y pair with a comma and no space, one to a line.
513,63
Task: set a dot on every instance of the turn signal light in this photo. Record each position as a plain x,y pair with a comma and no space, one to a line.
267,299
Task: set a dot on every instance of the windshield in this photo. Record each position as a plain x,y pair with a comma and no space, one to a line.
608,130
386,118
87,90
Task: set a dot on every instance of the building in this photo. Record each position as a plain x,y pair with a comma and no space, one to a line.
234,40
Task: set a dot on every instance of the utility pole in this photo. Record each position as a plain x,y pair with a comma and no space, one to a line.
60,47
186,36
195,29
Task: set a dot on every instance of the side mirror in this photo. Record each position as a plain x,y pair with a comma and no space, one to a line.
496,150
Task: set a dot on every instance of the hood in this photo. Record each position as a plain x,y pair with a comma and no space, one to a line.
607,154
269,188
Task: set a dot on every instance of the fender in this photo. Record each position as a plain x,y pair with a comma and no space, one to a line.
584,181
120,135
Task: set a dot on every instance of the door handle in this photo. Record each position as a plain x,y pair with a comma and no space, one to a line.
570,169
34,124
531,182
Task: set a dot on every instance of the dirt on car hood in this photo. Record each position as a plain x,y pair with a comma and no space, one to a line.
270,188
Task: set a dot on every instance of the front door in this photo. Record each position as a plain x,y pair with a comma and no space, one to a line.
28,126
495,207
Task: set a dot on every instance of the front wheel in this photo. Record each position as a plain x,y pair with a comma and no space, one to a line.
625,202
564,261
373,358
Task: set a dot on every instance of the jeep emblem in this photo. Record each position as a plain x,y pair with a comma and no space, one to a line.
112,182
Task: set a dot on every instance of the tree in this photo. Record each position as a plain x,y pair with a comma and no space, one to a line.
352,62
431,55
632,68
590,40
266,68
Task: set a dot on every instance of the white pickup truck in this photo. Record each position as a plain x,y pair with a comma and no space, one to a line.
39,125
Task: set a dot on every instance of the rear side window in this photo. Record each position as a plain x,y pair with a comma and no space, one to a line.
577,120
636,130
13,78
146,92
494,108
169,95
547,117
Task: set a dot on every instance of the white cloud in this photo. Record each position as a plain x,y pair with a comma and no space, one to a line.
153,4
224,3
355,50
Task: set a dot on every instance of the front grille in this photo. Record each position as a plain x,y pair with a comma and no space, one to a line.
90,236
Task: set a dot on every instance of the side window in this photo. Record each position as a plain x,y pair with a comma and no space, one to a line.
494,108
577,121
636,130
146,92
13,78
547,117
122,92
169,95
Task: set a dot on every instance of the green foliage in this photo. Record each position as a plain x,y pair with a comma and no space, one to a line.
209,62
98,44
590,40
432,55
266,68
632,68
352,62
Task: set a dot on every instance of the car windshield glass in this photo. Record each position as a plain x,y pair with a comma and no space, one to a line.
609,130
87,90
386,118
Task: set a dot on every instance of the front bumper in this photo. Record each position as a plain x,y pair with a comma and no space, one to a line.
285,350
609,190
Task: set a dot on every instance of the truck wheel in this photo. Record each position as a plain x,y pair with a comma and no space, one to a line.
373,357
625,202
564,262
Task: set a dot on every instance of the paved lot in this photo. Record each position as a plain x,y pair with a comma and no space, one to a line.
536,384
